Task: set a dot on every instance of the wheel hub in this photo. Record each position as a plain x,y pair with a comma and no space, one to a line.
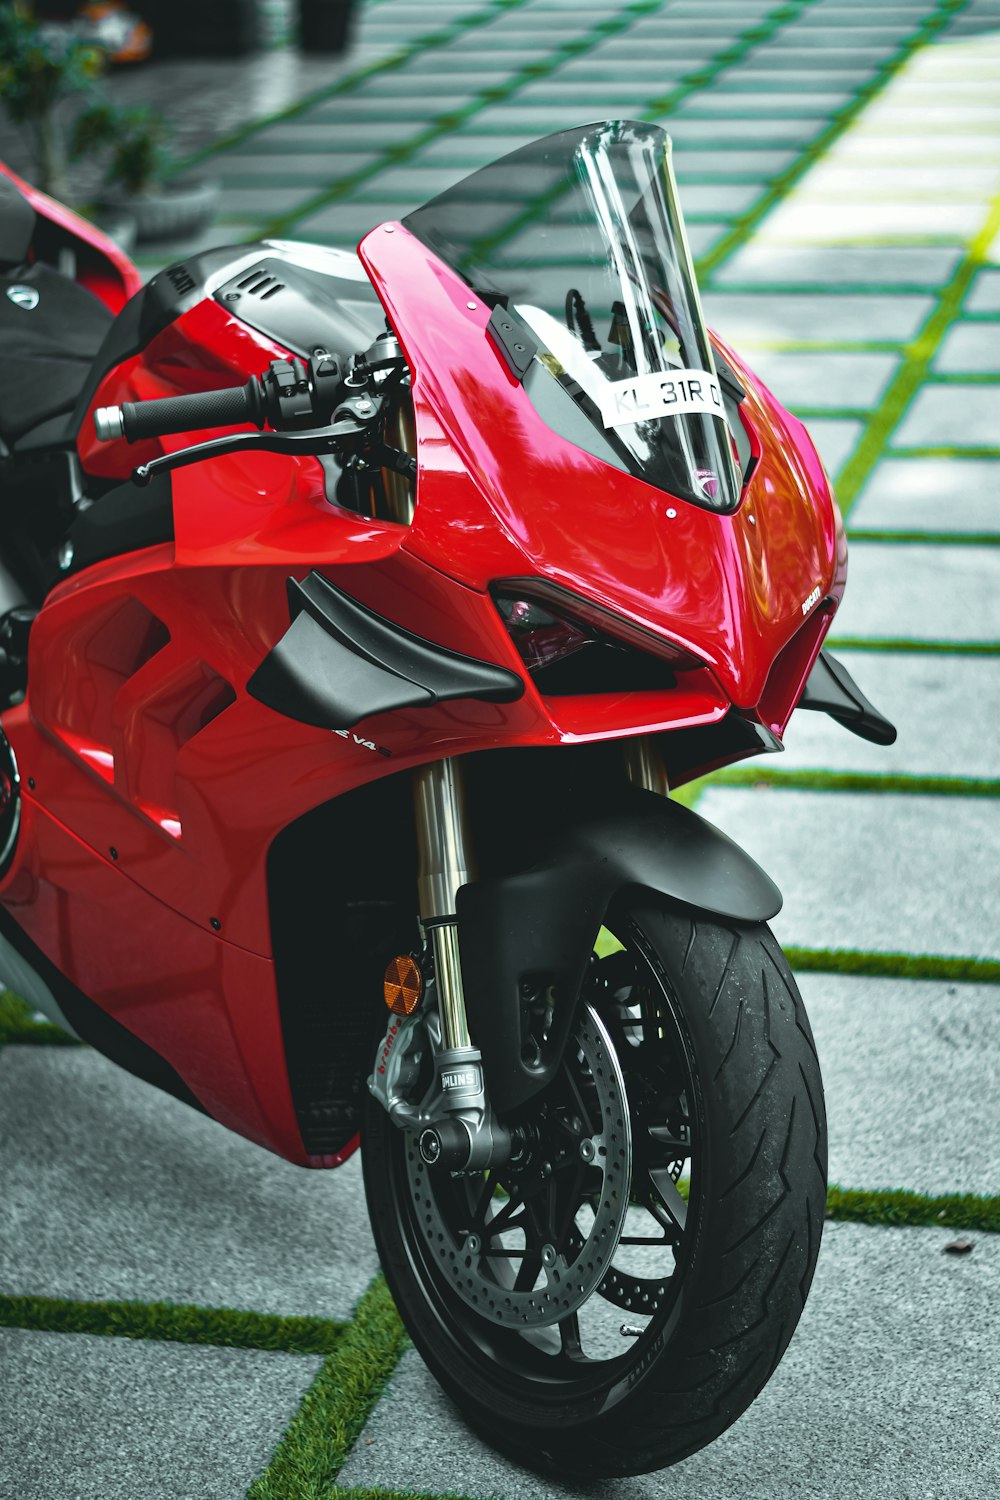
533,1258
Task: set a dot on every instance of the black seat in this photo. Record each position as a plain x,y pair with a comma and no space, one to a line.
50,327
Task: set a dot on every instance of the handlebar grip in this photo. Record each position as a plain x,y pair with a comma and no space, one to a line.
148,419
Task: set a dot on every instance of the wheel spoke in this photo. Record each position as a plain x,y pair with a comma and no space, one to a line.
670,1196
569,1333
528,1271
483,1203
669,1141
505,1218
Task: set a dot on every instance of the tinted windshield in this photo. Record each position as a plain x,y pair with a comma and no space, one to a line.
581,235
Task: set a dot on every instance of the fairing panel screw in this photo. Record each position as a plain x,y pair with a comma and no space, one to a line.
752,520
66,556
472,306
113,852
31,782
216,924
671,513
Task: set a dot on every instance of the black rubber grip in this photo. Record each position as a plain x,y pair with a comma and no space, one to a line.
226,408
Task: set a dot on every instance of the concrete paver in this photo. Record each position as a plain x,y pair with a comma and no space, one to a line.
747,320
113,1190
874,266
920,592
970,349
885,873
836,439
985,294
824,381
911,1070
888,1389
114,1419
931,494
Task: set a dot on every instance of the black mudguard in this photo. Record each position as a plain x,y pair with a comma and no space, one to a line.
832,690
539,926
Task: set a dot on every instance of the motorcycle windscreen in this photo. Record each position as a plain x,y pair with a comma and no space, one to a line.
581,235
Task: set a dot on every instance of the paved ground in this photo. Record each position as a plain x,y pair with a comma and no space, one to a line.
840,166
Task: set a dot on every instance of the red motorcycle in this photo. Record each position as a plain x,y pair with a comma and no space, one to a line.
374,697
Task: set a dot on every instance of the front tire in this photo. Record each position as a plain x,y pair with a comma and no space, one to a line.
702,1296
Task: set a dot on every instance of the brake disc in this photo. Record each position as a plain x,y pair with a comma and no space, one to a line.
566,1276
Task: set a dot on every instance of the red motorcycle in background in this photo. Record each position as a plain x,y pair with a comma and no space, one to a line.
374,697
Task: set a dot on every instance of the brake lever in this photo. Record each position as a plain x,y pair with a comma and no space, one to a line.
312,441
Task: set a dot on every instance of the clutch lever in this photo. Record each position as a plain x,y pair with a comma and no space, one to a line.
304,444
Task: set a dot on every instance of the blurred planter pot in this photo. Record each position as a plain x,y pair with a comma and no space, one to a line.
325,25
169,211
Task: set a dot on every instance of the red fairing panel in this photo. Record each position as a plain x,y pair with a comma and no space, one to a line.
525,501
102,267
145,741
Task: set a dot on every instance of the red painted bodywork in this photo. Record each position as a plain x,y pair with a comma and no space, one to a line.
154,784
102,267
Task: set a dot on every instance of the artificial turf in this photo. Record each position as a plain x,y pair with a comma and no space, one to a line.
893,965
18,1025
176,1323
337,1405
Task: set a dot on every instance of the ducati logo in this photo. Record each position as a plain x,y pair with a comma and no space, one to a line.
813,598
23,296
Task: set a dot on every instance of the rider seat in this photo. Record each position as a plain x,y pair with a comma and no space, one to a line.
51,327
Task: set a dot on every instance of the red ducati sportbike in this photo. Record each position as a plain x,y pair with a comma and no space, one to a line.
373,697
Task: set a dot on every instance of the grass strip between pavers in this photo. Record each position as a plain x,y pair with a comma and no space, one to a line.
759,31
174,1323
337,1405
17,1025
915,368
857,781
907,1210
489,11
929,538
893,965
745,224
615,23
907,644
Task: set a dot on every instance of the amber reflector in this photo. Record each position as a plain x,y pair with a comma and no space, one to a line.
403,986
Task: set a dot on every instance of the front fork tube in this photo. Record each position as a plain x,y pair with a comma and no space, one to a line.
644,766
470,1138
444,864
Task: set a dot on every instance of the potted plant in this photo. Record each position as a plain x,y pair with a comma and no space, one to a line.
136,181
39,69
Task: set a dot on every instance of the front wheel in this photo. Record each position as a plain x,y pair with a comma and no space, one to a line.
617,1298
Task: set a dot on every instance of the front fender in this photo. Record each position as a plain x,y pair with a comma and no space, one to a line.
538,926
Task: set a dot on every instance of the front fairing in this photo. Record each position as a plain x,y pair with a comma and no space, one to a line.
501,495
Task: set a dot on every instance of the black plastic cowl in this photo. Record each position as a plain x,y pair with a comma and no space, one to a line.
832,690
339,663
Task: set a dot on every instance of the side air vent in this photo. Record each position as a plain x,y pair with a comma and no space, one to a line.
180,279
260,283
301,309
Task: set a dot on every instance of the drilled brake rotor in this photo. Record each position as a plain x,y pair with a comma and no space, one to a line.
513,1271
